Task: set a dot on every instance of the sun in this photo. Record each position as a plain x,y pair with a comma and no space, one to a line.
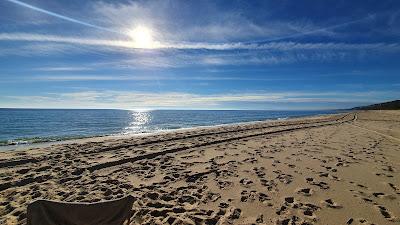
142,37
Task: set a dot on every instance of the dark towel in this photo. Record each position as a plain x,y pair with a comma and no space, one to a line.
115,212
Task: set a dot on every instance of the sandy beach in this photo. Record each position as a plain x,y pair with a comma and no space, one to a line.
328,170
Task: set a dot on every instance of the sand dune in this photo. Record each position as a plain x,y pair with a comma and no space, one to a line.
337,169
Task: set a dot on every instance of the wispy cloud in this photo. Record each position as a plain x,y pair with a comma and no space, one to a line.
321,30
63,68
31,49
187,54
182,55
59,16
86,77
132,100
32,37
56,77
279,46
218,26
188,25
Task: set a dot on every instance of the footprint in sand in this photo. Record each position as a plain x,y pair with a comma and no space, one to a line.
246,182
395,188
331,204
385,213
248,196
224,184
305,191
320,184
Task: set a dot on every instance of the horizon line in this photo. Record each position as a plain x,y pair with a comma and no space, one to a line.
176,109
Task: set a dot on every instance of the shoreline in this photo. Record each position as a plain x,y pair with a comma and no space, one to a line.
17,147
320,170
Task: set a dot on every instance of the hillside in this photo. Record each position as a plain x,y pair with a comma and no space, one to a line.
392,105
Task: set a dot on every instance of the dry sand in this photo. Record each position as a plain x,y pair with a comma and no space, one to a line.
328,170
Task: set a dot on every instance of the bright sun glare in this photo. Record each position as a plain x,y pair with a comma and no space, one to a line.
142,37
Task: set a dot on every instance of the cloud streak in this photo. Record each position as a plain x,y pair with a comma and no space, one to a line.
318,30
172,22
63,68
154,100
280,46
53,14
62,78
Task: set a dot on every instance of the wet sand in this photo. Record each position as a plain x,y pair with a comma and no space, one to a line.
328,170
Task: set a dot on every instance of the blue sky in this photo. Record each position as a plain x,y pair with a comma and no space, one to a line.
198,54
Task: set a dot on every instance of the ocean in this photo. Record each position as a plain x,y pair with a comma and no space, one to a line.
26,126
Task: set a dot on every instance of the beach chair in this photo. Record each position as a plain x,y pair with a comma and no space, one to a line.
114,212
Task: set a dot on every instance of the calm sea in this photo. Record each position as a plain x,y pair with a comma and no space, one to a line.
24,126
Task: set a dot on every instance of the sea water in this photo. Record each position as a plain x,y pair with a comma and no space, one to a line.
25,126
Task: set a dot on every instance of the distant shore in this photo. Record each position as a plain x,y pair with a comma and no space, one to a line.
330,169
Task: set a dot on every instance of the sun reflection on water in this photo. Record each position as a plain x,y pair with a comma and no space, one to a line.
139,122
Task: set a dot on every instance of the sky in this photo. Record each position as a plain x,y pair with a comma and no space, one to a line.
164,54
